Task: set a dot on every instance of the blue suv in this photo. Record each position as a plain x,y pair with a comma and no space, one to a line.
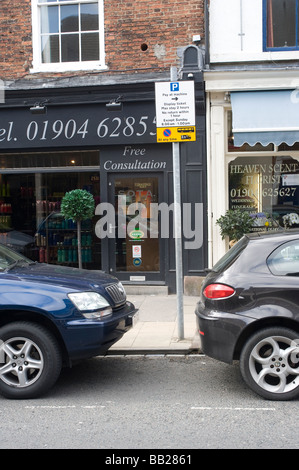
52,316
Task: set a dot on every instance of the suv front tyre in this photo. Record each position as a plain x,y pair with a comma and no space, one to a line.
30,360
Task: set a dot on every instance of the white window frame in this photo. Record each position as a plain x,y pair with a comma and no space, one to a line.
38,66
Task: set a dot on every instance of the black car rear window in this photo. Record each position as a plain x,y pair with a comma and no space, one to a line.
230,255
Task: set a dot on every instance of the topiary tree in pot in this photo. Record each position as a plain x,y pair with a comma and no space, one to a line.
78,205
234,224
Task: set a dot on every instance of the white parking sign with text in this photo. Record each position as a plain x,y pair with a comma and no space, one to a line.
175,104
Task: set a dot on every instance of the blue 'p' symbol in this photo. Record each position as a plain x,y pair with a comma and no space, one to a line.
174,86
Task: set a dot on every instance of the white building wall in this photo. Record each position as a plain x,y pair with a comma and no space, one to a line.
218,173
236,33
235,37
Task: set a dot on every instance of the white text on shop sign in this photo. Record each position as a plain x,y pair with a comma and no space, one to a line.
76,126
52,130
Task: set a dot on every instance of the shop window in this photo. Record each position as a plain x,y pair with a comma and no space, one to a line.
68,35
30,217
283,147
55,238
49,160
268,188
281,25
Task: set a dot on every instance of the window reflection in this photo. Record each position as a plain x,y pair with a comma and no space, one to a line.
284,261
267,187
49,159
281,23
89,17
64,28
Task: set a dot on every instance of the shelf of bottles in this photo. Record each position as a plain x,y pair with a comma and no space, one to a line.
60,244
5,206
57,239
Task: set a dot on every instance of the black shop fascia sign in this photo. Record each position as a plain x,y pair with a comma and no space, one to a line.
80,125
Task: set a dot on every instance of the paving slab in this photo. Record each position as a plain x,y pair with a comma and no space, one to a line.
156,330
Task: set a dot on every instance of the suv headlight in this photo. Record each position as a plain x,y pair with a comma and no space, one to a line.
91,304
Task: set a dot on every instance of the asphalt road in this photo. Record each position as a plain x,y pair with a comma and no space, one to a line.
153,402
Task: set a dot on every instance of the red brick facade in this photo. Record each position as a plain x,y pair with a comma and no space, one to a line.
15,38
140,35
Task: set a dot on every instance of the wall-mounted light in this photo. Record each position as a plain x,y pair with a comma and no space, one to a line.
196,38
114,104
39,108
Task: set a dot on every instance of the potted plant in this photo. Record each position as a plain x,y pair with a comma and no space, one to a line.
78,205
234,224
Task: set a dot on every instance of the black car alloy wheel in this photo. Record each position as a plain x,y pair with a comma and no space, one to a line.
30,360
269,363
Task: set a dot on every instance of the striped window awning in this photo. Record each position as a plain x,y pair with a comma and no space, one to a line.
265,117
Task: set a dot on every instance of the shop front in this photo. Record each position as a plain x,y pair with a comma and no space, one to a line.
254,138
51,143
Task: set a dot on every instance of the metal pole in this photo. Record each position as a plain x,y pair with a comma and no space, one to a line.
178,226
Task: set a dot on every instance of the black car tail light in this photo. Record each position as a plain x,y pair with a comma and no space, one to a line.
218,291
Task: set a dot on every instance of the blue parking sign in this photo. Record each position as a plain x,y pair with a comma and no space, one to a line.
174,86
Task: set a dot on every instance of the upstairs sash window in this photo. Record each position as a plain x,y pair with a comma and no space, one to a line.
69,32
281,25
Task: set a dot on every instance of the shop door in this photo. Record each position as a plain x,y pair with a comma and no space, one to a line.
136,250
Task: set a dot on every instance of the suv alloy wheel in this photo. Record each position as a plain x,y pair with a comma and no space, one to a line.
30,360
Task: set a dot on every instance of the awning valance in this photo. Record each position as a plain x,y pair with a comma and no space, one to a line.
265,117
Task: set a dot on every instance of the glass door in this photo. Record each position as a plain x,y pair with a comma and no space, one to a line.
136,250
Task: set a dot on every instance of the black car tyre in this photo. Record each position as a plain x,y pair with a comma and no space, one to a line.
269,363
30,360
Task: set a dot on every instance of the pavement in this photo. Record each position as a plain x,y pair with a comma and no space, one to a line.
156,330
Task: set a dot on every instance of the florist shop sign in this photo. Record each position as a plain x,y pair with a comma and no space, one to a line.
257,184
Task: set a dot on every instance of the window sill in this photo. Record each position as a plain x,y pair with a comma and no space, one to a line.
68,67
246,56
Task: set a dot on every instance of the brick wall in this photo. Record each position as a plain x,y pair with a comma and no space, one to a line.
15,38
144,34
140,35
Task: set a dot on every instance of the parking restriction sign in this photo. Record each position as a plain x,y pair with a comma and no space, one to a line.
175,111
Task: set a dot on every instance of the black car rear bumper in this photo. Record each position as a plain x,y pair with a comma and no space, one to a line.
219,332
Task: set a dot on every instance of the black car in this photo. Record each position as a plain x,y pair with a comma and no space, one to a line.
249,311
